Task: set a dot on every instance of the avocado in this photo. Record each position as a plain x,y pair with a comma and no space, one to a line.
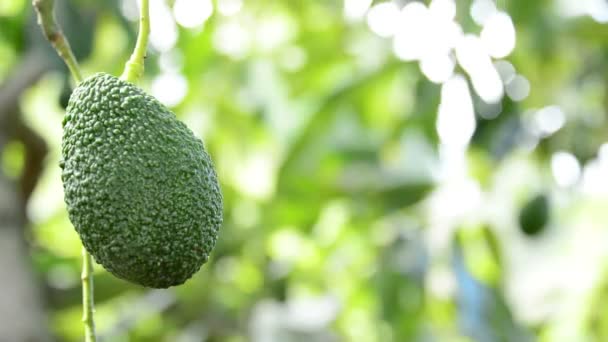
141,191
534,215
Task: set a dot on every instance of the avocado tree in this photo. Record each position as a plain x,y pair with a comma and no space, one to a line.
390,170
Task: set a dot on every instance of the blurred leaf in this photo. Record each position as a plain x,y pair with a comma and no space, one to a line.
325,113
13,159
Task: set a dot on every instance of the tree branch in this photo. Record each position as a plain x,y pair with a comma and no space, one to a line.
52,32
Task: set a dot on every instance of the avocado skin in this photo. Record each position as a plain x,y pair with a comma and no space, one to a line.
534,215
140,189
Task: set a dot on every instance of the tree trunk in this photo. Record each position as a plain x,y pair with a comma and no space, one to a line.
22,314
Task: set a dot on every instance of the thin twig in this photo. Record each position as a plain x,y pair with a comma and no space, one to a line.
52,32
87,296
134,68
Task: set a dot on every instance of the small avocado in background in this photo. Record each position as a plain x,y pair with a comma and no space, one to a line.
534,215
141,191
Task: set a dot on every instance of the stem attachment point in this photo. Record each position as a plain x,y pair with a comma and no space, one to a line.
134,68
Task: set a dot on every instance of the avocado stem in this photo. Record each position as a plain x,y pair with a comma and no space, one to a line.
134,68
87,296
53,33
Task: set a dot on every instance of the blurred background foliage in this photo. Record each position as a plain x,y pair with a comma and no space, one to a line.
392,170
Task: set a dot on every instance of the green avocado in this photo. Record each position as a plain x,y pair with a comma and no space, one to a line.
140,189
534,215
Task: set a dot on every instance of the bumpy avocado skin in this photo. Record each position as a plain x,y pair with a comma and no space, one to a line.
140,189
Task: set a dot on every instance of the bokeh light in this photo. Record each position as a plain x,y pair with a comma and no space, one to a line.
192,13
